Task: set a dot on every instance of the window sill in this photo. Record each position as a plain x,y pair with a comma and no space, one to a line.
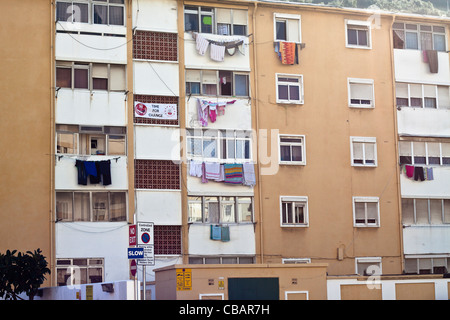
359,106
292,163
295,225
290,102
364,165
366,226
358,47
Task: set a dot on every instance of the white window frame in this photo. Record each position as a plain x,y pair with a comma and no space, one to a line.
286,17
300,85
351,81
415,219
91,12
418,32
366,200
294,199
375,260
364,25
74,269
431,257
302,145
364,141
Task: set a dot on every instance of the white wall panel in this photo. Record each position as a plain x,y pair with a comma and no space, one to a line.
436,188
155,15
156,78
159,143
426,239
159,207
424,122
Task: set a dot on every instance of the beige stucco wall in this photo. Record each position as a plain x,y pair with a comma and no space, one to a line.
26,126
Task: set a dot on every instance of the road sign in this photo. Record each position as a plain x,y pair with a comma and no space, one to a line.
149,256
135,253
145,233
132,235
184,279
133,267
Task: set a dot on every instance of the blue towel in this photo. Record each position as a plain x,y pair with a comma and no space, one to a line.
216,233
225,233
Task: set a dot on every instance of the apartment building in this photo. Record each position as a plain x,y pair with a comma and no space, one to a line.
247,132
421,63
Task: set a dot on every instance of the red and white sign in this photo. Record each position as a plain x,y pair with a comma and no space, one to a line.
155,110
132,235
133,267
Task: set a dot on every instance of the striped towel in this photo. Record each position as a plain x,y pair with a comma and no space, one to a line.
287,50
217,52
233,173
212,170
201,44
249,174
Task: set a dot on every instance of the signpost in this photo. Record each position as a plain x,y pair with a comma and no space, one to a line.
132,235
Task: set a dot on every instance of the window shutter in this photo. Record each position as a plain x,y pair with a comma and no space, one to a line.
118,78
293,30
361,91
240,17
223,16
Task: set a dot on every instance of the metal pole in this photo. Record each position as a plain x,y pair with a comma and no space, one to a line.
144,284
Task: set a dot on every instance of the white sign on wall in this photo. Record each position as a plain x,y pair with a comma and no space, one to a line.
155,110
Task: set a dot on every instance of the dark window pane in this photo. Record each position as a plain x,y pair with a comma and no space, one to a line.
61,11
281,30
283,92
285,153
296,153
419,160
362,38
434,160
403,102
116,16
81,79
190,22
207,23
100,14
64,77
239,30
416,102
100,84
294,93
352,37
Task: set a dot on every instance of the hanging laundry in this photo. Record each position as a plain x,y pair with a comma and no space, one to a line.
429,174
221,110
204,180
225,233
212,113
287,52
216,232
212,170
105,171
201,44
418,174
233,173
432,56
409,171
98,178
202,112
82,175
221,173
90,168
217,52
195,168
249,174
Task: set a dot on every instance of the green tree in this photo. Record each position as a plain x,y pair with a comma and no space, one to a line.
22,273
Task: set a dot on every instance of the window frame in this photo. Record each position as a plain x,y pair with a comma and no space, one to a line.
417,31
74,65
91,11
358,81
220,202
70,269
359,25
278,82
431,257
364,141
427,156
302,144
366,223
91,206
429,215
293,200
278,17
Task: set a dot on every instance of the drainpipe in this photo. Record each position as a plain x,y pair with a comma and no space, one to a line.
397,169
52,216
258,166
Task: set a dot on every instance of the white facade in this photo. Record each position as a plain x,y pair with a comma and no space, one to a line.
423,240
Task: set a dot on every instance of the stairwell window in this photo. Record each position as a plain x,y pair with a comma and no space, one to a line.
294,211
363,151
361,93
358,34
289,88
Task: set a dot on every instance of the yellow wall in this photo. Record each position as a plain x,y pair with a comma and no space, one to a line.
328,179
26,126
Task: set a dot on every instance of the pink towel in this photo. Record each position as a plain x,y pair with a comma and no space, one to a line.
409,171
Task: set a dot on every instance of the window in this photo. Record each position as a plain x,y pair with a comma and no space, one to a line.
109,12
366,212
84,140
358,34
76,271
419,37
368,266
295,260
294,211
289,88
93,76
215,209
217,83
425,211
292,149
287,27
361,93
363,151
422,96
424,152
427,264
91,206
221,260
220,21
219,144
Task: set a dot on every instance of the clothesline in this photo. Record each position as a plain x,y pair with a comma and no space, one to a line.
212,109
218,47
84,157
418,172
235,173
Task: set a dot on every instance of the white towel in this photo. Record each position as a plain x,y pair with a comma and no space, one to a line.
201,44
217,52
212,170
195,168
249,174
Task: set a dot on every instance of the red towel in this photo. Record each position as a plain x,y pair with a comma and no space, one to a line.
287,50
409,171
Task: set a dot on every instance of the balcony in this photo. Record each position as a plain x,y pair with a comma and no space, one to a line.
423,122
